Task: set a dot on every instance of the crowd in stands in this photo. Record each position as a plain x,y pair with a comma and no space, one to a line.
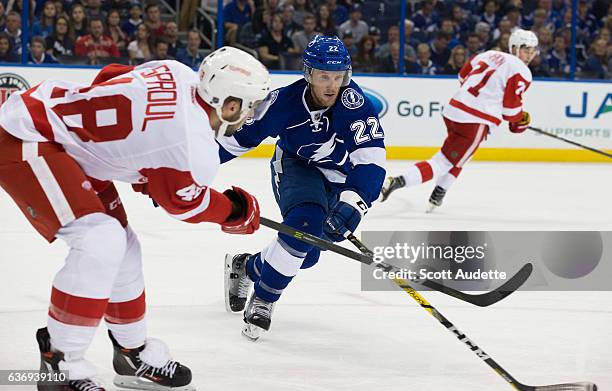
439,35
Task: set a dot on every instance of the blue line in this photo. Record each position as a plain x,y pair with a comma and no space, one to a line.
402,26
572,74
220,23
25,30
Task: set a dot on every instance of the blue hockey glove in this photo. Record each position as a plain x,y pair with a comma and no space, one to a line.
345,216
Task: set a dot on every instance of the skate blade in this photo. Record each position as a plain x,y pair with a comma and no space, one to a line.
138,383
431,208
227,268
252,332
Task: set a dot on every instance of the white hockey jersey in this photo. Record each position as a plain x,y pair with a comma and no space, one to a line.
492,87
143,124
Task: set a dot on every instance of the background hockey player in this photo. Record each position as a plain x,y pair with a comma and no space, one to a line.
62,145
492,87
327,169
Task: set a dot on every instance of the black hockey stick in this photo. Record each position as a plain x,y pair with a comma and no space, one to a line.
606,154
482,300
580,386
366,257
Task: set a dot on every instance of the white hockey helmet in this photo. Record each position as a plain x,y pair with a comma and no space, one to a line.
231,72
520,38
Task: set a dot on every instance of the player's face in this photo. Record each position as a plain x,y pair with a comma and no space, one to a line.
325,86
527,54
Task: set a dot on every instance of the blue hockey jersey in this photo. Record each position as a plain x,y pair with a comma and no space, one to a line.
345,142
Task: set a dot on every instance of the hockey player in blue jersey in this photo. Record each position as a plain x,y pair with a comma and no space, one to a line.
327,169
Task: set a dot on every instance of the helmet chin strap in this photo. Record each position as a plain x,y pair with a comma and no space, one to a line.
225,123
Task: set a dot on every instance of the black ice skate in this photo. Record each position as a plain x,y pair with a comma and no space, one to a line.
391,184
237,283
257,317
50,365
436,198
149,367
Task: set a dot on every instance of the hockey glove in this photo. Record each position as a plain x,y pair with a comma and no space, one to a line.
345,216
245,212
522,124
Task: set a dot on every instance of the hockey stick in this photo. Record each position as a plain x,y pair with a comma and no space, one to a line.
366,257
580,386
482,300
606,154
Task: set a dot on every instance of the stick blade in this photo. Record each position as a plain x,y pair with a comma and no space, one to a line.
584,386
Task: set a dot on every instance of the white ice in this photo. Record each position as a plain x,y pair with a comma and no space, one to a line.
326,333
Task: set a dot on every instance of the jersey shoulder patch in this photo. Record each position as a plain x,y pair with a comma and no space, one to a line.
352,99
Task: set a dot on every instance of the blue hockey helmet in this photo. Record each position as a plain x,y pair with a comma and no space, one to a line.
327,54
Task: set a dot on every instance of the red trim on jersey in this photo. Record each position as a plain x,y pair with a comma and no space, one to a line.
514,118
178,194
208,108
465,70
110,71
425,170
58,92
127,311
37,111
75,310
513,95
470,110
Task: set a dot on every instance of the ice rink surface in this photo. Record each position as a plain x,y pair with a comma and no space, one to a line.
326,333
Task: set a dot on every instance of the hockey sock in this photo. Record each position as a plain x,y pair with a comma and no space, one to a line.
424,171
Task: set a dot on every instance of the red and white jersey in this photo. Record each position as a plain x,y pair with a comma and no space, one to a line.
492,87
133,124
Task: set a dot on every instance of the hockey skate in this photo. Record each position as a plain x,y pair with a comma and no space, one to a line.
436,198
52,362
236,283
391,184
257,317
149,367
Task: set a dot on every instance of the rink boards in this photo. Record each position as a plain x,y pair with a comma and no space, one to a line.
410,110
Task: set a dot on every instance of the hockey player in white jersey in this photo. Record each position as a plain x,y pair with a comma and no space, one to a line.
62,145
492,87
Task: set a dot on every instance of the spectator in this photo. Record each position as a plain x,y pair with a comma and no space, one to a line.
153,20
349,42
540,21
459,18
489,13
96,45
413,37
260,13
94,10
504,26
161,50
13,30
456,61
545,39
141,48
325,22
7,54
171,36
274,43
423,65
390,63
59,43
393,35
114,30
37,52
448,27
374,33
235,14
2,16
557,60
473,45
538,67
338,11
597,64
78,21
439,49
513,14
289,26
483,31
44,26
59,7
586,23
502,42
301,9
365,60
190,55
300,39
355,25
426,16
130,25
